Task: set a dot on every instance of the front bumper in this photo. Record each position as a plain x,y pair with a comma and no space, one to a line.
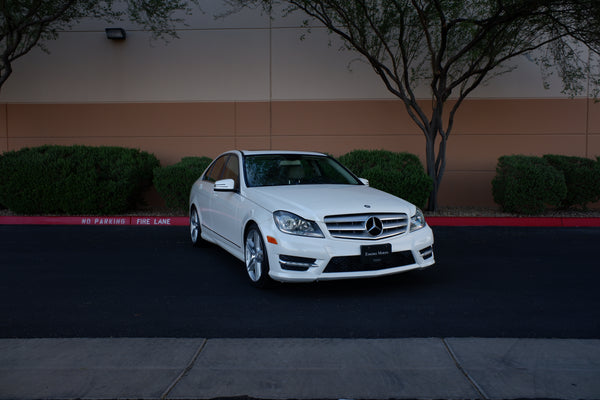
305,259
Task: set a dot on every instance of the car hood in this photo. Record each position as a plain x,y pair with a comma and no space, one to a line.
314,202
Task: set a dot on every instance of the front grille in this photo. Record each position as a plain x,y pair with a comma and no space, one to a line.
354,264
356,226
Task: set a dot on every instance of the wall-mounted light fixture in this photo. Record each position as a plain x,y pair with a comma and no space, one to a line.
115,33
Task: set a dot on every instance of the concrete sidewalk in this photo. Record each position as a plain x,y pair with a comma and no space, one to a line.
433,368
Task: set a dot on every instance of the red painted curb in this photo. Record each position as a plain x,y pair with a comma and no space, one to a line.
160,221
184,221
104,220
514,221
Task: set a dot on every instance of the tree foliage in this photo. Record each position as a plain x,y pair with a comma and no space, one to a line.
453,46
25,24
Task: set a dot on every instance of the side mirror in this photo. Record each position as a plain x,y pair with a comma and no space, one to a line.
225,185
364,181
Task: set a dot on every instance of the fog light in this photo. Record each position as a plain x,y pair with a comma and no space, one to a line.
293,263
426,253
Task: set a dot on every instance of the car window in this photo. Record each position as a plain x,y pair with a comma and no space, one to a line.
216,169
232,170
295,169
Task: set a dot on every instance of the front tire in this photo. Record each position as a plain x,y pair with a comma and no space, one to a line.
195,228
256,258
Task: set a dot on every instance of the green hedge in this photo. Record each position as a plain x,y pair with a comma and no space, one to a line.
74,179
400,174
174,182
527,184
582,177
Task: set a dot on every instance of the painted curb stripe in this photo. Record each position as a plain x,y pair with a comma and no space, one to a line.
101,221
514,221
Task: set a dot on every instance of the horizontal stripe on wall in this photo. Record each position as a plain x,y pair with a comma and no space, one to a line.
484,130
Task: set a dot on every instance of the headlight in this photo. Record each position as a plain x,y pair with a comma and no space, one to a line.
295,225
417,221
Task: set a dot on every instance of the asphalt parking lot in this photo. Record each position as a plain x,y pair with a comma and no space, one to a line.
63,281
136,312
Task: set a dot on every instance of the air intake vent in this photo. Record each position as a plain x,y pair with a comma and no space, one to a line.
354,263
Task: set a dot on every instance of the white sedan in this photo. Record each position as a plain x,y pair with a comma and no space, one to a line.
301,217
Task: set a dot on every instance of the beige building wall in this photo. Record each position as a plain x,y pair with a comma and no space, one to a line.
3,129
486,130
248,82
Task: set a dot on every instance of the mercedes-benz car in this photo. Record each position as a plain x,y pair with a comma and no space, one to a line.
302,216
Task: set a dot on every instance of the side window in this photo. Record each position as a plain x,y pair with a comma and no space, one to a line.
232,170
214,173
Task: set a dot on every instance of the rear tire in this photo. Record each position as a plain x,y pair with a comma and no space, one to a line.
256,258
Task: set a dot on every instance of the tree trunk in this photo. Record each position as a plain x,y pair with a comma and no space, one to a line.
436,164
431,170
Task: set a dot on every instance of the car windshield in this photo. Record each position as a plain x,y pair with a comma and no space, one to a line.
295,169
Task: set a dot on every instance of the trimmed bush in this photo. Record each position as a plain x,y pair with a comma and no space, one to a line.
582,177
400,174
527,184
74,179
174,182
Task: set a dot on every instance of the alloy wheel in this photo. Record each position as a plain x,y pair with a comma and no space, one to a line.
194,226
254,255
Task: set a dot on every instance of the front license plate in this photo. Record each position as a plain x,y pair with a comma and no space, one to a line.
375,254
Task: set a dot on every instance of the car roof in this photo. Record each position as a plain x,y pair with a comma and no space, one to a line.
267,152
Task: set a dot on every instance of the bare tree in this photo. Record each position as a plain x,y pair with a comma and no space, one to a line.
25,24
453,46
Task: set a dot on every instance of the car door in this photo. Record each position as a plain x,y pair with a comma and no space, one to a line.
226,207
206,192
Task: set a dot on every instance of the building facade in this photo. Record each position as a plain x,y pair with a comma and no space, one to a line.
248,81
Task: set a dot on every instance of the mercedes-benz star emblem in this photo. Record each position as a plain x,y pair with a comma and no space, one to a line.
374,226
